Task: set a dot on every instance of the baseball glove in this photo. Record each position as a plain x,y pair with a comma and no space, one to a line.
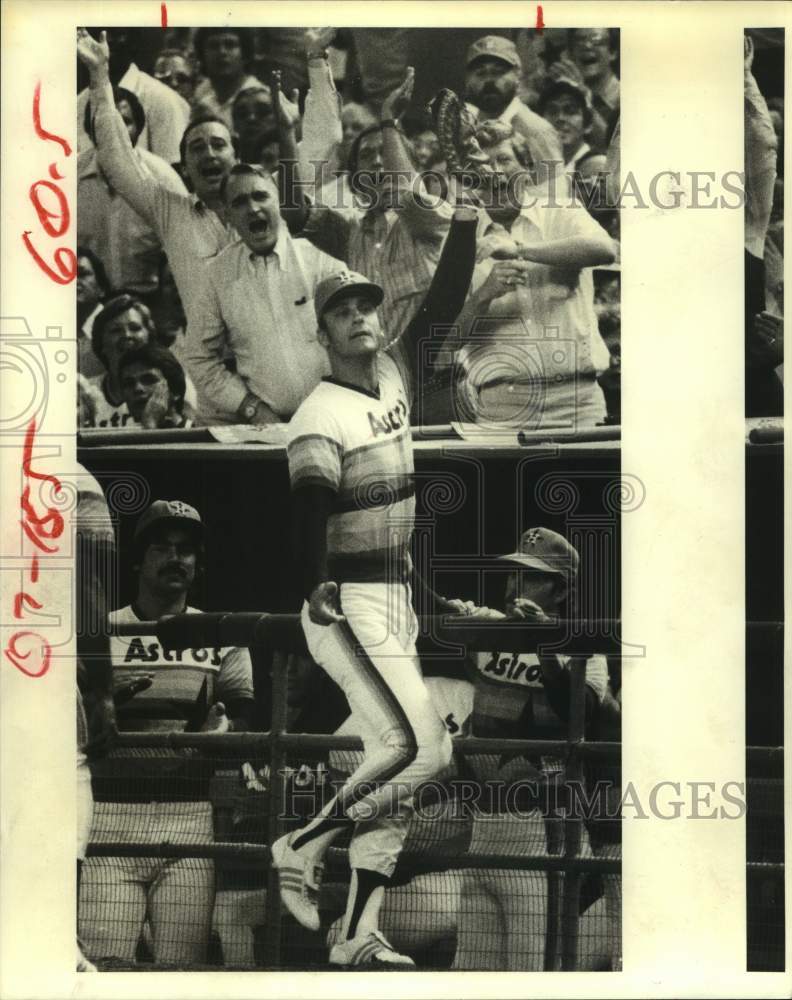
456,133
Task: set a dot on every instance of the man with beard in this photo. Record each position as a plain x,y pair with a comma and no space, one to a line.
492,76
165,792
167,113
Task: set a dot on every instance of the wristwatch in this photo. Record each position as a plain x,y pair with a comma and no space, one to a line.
248,407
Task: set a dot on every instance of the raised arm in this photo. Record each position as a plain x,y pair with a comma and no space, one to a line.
447,292
321,128
113,146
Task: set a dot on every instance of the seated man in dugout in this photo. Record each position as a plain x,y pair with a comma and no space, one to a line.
158,796
504,913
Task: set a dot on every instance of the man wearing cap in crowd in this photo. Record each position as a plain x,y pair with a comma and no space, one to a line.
165,793
520,696
491,80
257,305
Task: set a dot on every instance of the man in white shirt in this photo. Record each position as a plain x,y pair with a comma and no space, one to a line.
532,347
257,301
127,244
491,81
167,113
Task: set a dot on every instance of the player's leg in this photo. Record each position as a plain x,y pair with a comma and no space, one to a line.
372,658
113,906
180,902
84,819
480,930
523,899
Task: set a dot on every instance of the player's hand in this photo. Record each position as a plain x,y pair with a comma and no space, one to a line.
566,69
317,39
157,406
132,684
323,606
95,56
102,728
498,244
216,720
527,610
766,341
505,276
395,104
287,110
264,416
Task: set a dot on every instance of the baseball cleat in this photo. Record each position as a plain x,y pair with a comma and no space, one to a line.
372,949
299,879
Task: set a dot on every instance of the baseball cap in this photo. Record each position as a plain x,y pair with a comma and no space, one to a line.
168,510
494,47
339,286
547,551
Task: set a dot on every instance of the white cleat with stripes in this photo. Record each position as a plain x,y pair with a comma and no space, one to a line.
369,950
299,879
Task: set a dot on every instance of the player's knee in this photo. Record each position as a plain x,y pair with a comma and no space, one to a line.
402,746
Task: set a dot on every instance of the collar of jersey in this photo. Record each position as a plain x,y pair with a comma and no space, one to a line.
354,388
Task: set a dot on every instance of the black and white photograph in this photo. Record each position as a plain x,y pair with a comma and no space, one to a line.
331,499
369,304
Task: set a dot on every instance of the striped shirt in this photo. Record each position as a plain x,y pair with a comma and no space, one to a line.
187,682
397,251
359,445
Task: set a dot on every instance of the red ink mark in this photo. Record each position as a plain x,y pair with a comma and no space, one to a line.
539,20
50,526
68,271
42,133
63,215
23,598
55,220
15,656
164,14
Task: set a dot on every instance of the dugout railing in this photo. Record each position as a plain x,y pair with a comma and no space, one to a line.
283,632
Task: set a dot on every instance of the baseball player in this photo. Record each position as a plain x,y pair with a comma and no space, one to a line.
351,468
96,724
503,914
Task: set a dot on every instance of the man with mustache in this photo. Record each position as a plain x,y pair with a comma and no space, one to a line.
491,79
165,793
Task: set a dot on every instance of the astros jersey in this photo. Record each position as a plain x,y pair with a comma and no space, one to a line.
187,682
359,444
510,694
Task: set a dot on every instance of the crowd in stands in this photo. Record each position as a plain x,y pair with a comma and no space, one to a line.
223,176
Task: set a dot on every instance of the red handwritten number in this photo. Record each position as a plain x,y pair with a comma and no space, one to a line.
62,215
50,526
42,133
164,15
63,258
539,20
15,656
